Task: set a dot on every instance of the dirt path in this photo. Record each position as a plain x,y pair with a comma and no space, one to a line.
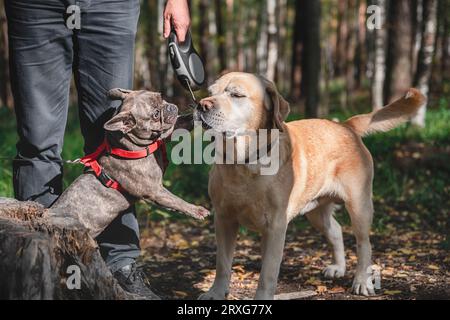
179,259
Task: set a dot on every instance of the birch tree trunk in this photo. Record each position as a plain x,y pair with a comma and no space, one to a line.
379,65
261,51
426,53
272,31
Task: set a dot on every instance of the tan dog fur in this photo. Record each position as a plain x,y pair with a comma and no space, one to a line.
321,163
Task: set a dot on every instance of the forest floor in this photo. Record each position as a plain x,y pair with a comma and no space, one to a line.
179,260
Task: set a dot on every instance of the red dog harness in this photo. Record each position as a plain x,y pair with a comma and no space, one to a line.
90,160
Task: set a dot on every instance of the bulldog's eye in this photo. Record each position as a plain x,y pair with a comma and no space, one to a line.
156,114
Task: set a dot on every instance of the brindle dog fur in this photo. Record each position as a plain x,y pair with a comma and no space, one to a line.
144,117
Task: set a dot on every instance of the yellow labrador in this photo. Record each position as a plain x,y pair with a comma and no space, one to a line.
321,162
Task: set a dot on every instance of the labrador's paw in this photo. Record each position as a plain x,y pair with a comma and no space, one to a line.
363,286
212,295
334,271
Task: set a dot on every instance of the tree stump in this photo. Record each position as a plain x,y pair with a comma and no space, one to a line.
36,253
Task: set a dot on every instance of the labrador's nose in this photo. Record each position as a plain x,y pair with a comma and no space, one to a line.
207,104
171,108
170,113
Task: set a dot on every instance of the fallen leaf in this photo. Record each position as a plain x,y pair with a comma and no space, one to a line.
239,268
180,294
392,292
406,251
388,272
313,281
433,267
205,271
321,289
336,290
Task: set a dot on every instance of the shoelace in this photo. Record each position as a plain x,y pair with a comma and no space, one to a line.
135,274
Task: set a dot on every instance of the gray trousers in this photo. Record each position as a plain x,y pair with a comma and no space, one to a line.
44,52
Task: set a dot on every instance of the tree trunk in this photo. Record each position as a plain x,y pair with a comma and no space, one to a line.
351,45
379,64
361,52
272,42
37,255
230,35
149,23
445,60
297,48
417,14
311,58
282,68
5,84
204,35
399,64
142,72
240,30
261,51
426,53
342,31
221,48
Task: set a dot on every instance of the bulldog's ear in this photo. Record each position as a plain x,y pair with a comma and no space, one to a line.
118,94
276,103
124,122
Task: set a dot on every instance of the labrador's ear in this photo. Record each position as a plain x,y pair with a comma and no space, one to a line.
124,122
118,94
276,103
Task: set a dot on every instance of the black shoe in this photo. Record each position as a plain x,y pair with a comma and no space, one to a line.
132,280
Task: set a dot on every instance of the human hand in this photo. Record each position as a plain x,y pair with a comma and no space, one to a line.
176,14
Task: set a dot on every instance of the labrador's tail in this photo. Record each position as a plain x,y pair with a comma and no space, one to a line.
388,117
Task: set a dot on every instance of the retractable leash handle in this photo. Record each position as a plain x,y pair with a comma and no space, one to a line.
186,63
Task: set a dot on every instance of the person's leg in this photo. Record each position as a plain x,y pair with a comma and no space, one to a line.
40,49
104,55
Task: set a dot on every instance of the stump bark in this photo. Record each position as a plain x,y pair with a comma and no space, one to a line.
36,252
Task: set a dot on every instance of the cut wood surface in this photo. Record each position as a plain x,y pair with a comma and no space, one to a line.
35,253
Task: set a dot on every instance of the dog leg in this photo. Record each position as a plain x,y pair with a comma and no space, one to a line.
166,199
226,233
323,220
360,209
272,254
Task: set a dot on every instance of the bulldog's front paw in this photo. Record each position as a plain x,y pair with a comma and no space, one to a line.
198,212
362,285
334,271
212,295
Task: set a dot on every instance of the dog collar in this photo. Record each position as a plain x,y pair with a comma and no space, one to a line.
90,160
